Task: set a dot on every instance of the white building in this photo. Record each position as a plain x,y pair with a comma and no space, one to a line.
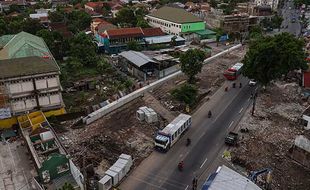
29,77
175,21
272,3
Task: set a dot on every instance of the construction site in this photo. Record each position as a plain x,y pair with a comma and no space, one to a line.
271,134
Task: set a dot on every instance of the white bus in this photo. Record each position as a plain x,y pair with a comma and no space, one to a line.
172,132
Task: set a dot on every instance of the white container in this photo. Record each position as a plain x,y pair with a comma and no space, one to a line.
105,183
113,175
124,162
126,157
140,115
120,169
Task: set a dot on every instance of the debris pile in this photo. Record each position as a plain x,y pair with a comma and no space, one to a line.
100,143
272,131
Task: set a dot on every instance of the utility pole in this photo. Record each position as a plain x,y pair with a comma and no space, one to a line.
254,102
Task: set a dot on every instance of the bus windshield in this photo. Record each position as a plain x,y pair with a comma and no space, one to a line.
162,142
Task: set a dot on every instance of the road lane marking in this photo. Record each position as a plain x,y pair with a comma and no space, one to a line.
256,88
186,187
241,110
249,99
203,162
181,155
231,124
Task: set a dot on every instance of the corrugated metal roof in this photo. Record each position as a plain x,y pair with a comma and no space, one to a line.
162,39
24,44
302,142
137,58
228,179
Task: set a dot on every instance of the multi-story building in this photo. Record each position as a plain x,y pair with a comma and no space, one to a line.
175,21
235,23
272,3
29,78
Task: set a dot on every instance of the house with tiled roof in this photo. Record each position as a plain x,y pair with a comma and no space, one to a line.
29,78
116,40
100,25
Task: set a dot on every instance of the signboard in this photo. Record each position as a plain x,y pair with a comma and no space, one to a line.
5,113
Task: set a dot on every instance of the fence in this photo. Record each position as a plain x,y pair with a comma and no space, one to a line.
128,98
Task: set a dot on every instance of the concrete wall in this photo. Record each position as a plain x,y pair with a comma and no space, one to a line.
77,175
167,71
129,97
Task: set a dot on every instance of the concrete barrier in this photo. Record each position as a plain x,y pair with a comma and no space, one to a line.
129,97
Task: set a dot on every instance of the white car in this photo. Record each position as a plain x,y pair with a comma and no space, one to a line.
252,82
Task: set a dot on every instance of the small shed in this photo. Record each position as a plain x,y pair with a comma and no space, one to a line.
206,34
137,64
300,151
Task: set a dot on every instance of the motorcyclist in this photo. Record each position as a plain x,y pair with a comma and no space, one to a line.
181,165
188,141
209,114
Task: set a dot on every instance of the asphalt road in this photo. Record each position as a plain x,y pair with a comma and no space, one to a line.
159,170
289,12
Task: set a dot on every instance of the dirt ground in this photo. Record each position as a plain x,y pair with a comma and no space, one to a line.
272,131
209,80
100,143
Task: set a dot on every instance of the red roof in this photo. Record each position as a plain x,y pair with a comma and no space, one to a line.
125,32
94,4
98,20
149,32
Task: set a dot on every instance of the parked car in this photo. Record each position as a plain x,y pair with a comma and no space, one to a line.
252,82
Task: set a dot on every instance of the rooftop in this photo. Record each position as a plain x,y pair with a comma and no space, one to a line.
176,15
148,32
227,179
22,44
125,32
162,39
26,66
137,58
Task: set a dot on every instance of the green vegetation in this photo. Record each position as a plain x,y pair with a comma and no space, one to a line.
300,2
191,63
67,186
131,17
270,58
219,32
256,32
133,45
186,94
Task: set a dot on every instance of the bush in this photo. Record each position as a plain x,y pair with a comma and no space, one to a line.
186,93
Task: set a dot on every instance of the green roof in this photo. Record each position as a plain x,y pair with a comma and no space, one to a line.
205,32
176,15
22,44
26,66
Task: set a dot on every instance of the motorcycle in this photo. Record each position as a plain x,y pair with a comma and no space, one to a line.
180,166
188,142
209,114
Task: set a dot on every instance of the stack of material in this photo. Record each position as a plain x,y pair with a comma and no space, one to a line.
147,114
116,172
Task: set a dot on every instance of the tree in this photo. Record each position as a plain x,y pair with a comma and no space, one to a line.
142,23
54,41
133,45
256,32
84,49
126,17
67,186
219,33
186,93
270,58
56,16
78,21
3,27
191,63
277,21
31,26
213,3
